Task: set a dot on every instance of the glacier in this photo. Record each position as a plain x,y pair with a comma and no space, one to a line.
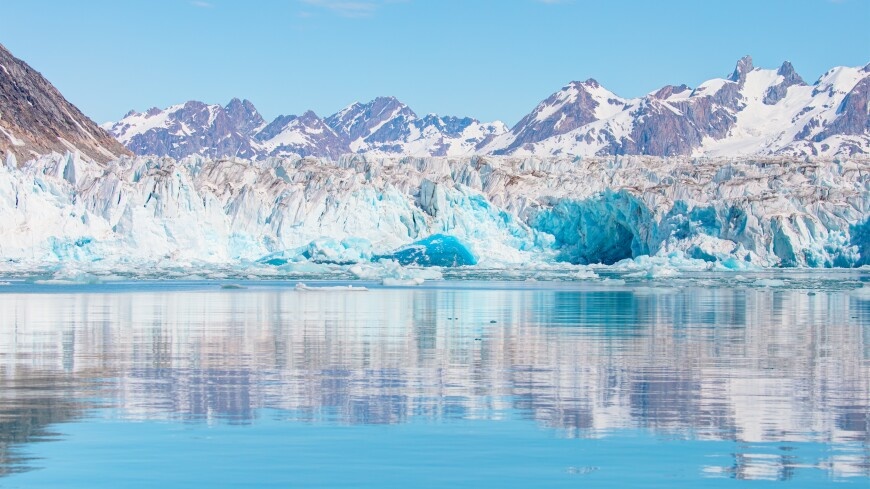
368,216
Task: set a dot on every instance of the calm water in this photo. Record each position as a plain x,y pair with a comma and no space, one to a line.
185,384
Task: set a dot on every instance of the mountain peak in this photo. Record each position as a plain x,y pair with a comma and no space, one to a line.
581,85
668,90
383,104
387,99
786,69
240,104
791,76
744,66
362,120
243,115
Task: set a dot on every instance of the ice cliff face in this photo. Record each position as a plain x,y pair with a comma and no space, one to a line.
751,112
493,211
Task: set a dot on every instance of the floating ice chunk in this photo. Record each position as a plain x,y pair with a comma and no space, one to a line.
333,288
654,272
306,268
232,286
396,282
67,276
323,250
384,269
613,281
769,282
440,250
61,281
584,274
348,250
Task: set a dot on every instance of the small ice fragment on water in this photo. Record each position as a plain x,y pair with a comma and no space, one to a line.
337,288
769,282
395,282
655,271
232,286
585,275
613,281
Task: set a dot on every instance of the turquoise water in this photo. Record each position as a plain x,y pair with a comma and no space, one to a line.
702,382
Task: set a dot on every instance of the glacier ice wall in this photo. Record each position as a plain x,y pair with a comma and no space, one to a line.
506,211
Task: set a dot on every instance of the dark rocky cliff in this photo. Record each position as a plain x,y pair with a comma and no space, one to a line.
36,119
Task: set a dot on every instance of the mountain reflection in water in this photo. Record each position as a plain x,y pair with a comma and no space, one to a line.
743,364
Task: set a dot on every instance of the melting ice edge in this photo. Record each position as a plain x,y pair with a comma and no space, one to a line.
411,217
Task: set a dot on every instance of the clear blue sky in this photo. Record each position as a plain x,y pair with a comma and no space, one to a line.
489,59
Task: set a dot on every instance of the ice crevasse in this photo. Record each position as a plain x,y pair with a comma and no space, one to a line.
445,212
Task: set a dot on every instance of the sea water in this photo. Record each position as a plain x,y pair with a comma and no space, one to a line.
704,382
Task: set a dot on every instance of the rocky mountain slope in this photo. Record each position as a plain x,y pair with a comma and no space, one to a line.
36,119
750,112
386,127
383,126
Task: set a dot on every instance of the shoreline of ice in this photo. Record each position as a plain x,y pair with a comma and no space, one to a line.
650,217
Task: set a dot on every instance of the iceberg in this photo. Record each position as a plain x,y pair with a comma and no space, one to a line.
439,250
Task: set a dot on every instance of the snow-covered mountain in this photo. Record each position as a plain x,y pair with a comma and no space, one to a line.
383,126
192,128
750,112
386,126
36,119
305,135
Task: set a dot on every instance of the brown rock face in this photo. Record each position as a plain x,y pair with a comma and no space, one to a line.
36,119
853,113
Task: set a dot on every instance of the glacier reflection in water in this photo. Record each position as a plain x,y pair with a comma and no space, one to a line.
769,370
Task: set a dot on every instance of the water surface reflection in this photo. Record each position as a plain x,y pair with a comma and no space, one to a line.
754,366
